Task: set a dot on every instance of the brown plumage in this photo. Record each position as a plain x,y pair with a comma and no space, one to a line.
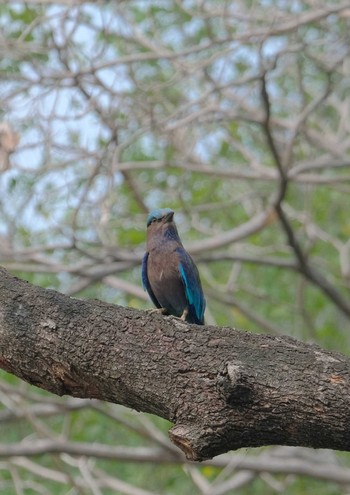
168,272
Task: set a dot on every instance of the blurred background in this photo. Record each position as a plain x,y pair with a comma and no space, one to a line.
235,115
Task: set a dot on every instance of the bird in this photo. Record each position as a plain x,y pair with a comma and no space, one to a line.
169,274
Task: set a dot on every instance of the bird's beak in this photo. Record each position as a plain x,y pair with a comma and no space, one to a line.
168,217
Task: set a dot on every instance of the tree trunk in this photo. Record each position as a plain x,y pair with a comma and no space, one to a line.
223,388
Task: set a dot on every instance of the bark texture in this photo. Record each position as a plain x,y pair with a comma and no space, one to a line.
222,388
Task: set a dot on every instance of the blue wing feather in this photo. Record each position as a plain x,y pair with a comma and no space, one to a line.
193,288
145,282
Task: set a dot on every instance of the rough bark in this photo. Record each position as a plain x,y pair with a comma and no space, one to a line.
223,388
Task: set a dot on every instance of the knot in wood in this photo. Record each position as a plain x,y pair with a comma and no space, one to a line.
233,385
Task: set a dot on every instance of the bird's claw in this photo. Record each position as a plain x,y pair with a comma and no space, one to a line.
161,311
184,314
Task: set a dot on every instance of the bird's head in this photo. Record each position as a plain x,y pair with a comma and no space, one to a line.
160,216
160,223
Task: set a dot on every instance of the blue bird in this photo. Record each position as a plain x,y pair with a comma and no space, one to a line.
169,274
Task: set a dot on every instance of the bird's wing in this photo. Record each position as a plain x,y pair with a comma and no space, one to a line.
193,288
145,282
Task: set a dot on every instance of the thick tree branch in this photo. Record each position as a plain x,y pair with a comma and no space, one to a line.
224,389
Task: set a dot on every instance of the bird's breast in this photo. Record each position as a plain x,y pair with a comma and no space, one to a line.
165,280
162,267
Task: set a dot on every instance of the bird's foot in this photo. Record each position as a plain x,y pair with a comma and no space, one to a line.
161,311
184,314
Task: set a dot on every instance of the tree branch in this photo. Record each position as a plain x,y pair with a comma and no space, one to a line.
223,388
304,266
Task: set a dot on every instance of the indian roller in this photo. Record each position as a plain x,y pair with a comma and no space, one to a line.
169,274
